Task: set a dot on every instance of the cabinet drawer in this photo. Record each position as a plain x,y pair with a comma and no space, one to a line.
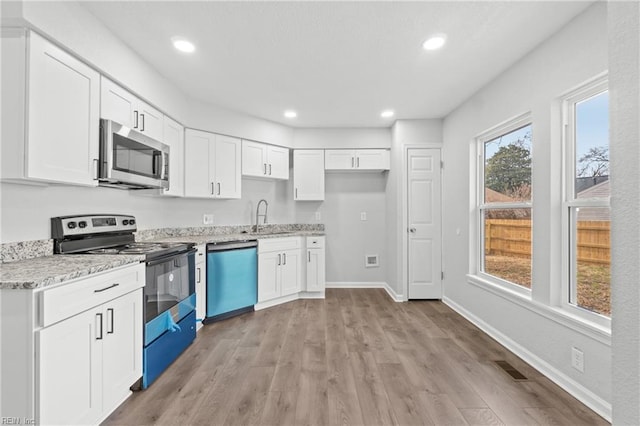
315,242
278,244
78,296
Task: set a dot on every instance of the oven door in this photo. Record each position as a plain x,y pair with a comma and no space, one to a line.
130,158
169,281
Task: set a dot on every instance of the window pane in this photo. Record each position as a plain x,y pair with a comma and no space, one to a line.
592,147
507,167
507,245
591,251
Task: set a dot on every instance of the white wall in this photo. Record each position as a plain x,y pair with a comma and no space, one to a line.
342,138
624,83
575,54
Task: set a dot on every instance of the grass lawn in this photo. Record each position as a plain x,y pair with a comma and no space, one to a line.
594,291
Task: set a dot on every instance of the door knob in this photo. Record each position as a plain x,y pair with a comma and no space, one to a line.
412,230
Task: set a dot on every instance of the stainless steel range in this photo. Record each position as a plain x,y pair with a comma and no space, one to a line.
169,293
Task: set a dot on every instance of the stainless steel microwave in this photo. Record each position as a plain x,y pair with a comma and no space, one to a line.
130,159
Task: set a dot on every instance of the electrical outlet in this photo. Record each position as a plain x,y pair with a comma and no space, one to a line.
207,219
363,216
577,359
318,216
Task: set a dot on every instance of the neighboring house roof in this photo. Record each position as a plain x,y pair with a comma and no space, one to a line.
491,196
583,183
601,190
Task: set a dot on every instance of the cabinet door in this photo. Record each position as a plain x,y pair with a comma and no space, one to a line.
63,116
278,162
269,276
339,159
150,121
227,167
201,284
290,272
315,270
308,174
121,348
69,370
373,159
117,104
197,182
173,136
254,159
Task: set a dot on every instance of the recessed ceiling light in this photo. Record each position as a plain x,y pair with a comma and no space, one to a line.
290,114
386,114
183,44
434,42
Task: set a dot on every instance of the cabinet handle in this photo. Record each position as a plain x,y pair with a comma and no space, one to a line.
279,259
212,186
269,169
265,168
110,319
135,120
296,197
284,258
309,253
99,328
198,270
352,162
219,186
142,116
358,162
106,288
96,166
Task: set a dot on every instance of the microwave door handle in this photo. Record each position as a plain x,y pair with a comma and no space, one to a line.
165,163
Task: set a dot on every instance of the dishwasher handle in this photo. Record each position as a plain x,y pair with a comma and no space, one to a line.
231,245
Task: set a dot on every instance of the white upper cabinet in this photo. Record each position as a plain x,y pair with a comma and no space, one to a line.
173,136
361,159
119,105
212,165
50,112
262,160
308,175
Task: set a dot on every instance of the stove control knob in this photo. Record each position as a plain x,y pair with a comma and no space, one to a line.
132,222
125,222
82,224
71,225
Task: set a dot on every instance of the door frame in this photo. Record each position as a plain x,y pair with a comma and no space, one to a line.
405,210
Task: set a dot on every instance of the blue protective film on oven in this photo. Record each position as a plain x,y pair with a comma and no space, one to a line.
166,322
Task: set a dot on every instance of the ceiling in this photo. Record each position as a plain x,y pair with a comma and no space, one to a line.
338,64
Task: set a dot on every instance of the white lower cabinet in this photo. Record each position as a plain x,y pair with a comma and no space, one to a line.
72,352
279,268
201,284
87,363
315,264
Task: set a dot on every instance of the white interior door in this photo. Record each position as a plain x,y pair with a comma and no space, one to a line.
424,223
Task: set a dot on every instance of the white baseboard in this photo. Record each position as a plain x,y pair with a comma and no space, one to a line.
366,284
584,395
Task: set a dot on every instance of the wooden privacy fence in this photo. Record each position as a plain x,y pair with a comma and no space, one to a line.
512,237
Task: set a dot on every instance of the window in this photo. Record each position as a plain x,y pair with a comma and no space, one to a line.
504,203
586,207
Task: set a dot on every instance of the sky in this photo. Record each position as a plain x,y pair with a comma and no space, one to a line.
592,123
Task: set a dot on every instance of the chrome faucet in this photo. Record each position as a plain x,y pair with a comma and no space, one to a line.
266,207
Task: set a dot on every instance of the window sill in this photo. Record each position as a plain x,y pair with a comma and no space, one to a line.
588,328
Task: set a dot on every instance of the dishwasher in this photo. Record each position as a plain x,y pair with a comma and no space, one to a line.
232,279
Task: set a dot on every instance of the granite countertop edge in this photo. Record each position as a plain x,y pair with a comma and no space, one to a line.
45,271
206,239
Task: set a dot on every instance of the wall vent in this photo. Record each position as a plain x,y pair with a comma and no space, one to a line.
510,370
371,261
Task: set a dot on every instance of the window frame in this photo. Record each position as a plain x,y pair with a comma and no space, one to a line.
568,287
508,126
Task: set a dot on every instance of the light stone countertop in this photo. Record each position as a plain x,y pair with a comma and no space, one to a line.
49,270
205,239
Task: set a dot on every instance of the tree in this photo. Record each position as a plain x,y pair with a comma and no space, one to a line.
508,171
594,163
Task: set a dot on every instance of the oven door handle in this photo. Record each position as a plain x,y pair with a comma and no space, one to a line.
170,257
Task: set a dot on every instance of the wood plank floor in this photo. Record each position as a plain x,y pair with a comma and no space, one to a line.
356,358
